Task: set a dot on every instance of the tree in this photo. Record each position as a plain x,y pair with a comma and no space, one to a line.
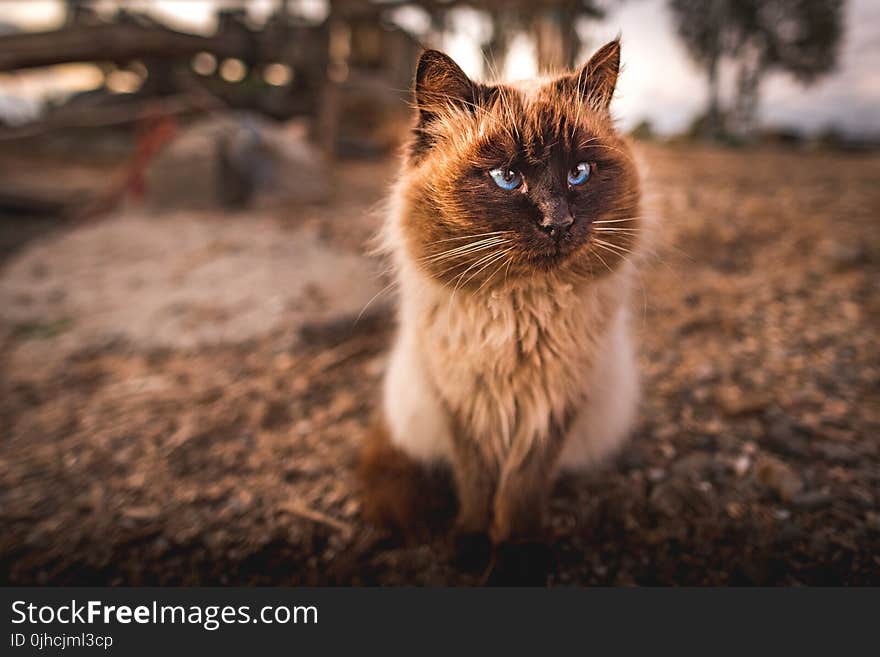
551,24
797,37
709,34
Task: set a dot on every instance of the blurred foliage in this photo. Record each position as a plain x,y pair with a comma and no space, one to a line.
798,37
643,130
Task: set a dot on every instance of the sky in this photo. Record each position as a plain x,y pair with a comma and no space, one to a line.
659,82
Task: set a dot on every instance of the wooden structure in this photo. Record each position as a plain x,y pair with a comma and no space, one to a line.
355,47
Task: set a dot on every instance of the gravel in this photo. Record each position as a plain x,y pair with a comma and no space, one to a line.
230,461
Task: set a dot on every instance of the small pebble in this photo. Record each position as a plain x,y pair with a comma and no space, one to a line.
779,477
741,465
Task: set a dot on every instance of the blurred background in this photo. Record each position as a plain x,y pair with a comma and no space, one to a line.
192,331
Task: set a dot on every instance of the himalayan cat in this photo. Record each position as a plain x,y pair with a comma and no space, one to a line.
512,230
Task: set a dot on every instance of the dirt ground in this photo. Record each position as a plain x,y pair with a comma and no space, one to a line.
138,449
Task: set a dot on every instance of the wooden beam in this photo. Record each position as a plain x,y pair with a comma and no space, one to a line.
112,42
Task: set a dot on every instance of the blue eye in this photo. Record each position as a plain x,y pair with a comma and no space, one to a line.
579,174
506,178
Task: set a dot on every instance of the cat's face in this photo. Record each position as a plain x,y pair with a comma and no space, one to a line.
505,181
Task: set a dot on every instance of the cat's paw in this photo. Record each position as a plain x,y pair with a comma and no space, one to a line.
521,563
471,550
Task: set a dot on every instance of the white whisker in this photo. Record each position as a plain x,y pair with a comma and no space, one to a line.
492,275
466,237
613,246
478,263
625,231
375,296
462,250
488,264
614,221
602,260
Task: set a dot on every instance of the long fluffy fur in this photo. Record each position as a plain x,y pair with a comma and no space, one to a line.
504,363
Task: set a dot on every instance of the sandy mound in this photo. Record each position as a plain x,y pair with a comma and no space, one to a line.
181,280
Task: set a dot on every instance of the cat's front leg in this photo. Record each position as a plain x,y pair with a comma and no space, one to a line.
526,480
522,552
475,487
521,499
475,481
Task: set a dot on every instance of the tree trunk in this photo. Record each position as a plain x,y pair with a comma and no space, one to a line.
494,50
550,41
745,108
712,127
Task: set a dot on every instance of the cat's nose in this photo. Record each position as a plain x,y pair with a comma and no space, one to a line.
556,224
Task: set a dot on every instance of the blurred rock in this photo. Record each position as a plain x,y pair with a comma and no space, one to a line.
814,499
741,465
781,435
845,255
676,496
779,477
170,281
693,465
373,118
836,453
735,401
237,160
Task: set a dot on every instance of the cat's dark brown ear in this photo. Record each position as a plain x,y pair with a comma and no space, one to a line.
439,83
597,78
